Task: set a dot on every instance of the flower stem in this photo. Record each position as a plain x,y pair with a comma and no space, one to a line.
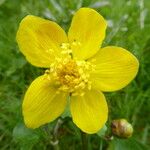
55,141
53,135
101,145
84,138
55,146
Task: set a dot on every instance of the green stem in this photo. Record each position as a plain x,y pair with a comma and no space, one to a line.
54,141
101,145
56,147
55,144
84,138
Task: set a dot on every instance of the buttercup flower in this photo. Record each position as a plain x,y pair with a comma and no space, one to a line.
76,67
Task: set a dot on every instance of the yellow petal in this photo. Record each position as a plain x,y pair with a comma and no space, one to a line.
39,40
86,33
90,111
41,103
115,68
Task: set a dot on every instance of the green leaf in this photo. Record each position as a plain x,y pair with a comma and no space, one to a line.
24,136
2,1
126,144
67,109
102,132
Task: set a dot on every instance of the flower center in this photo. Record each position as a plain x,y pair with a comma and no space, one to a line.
70,75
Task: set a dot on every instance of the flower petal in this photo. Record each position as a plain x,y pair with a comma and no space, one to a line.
86,33
90,111
39,40
115,68
41,103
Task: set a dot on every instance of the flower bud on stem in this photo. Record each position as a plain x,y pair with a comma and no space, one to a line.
121,128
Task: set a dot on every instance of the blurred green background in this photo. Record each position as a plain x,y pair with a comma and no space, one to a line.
128,27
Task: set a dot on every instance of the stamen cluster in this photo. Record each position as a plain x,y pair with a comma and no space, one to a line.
70,75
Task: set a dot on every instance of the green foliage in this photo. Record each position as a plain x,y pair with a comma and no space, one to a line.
128,27
128,144
25,137
102,131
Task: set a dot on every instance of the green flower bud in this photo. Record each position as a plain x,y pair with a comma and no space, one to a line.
121,128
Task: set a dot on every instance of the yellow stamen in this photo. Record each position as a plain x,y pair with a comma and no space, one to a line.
70,75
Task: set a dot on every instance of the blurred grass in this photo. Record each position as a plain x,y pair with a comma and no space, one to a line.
128,27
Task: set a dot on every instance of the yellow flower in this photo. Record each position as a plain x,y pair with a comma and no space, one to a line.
76,67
